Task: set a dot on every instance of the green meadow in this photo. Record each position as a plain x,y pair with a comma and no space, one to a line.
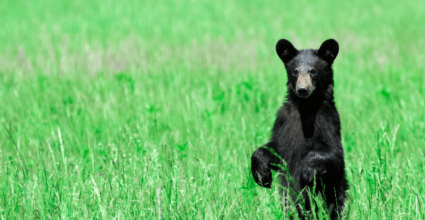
152,109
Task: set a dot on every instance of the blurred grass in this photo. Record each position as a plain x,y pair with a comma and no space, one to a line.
178,94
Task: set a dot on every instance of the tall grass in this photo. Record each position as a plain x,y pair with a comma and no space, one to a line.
112,110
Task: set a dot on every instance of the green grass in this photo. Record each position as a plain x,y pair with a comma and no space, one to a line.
109,101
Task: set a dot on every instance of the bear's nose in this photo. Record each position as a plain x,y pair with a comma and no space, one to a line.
302,90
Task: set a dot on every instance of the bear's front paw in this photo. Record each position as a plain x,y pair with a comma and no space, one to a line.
309,173
260,167
263,177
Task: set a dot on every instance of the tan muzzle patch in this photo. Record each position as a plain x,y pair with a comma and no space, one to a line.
304,85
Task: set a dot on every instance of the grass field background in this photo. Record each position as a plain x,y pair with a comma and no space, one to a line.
108,101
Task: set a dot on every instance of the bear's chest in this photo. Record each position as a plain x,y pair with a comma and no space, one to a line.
303,133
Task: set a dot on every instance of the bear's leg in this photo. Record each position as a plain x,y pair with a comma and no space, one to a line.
288,192
286,202
306,201
337,200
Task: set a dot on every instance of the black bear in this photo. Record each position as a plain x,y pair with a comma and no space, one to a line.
307,130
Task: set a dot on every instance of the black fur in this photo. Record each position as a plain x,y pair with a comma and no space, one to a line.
307,131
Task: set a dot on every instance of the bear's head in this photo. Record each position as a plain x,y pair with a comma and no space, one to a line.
309,71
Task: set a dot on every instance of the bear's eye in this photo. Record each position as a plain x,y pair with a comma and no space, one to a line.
313,72
295,73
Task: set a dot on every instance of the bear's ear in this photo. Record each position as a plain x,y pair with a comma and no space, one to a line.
329,50
285,50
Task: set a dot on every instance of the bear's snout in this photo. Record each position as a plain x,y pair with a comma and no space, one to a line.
303,90
304,86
